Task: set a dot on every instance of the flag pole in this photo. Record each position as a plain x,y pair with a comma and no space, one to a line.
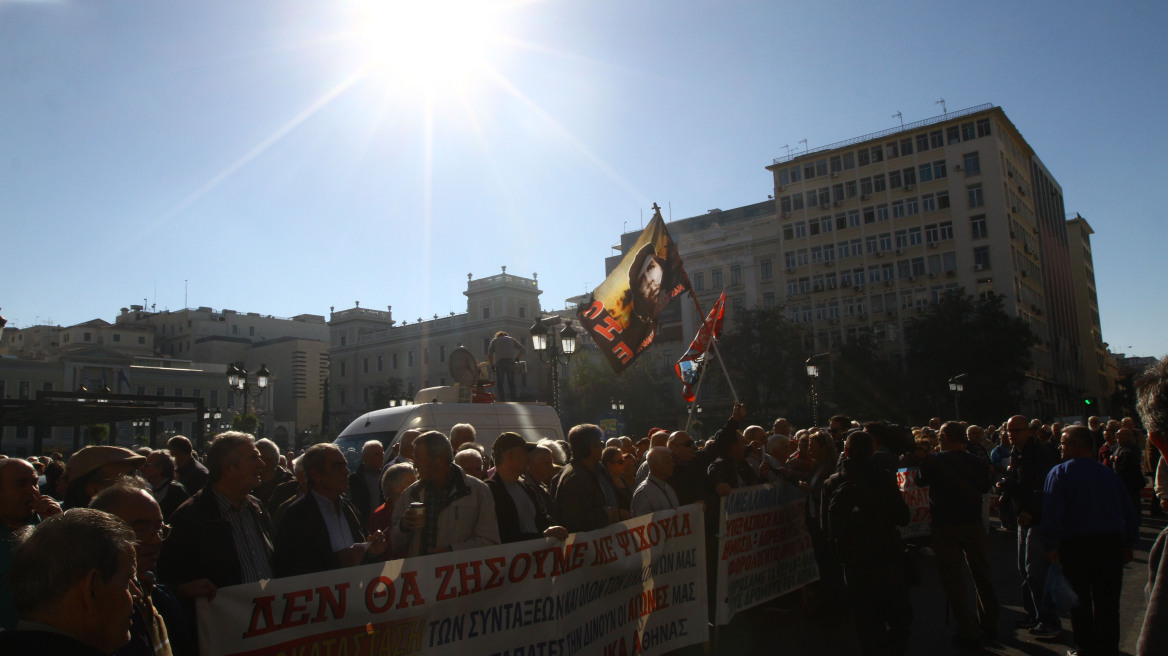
697,388
733,392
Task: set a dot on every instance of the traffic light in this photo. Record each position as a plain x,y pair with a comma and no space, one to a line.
1087,401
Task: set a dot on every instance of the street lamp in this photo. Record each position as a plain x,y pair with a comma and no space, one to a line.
237,380
812,374
957,387
211,418
618,405
558,352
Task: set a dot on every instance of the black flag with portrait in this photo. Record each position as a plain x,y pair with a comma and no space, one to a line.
621,314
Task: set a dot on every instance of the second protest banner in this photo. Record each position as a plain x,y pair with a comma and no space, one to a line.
633,587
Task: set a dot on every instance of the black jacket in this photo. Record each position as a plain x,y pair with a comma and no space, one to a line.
302,541
359,494
1026,476
508,516
580,502
43,643
201,544
880,540
956,480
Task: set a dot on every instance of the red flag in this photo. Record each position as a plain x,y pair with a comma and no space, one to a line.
689,367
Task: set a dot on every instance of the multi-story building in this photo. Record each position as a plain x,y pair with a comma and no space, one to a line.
373,358
865,233
1099,369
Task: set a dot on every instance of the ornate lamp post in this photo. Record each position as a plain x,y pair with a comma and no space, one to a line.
957,387
237,380
812,374
618,405
551,351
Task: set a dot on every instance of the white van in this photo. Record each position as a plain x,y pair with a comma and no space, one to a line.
534,421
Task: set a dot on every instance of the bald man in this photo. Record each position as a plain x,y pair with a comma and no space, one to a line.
655,493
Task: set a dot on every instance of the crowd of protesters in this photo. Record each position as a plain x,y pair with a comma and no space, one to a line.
145,533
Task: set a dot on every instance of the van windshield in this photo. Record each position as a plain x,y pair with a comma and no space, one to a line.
350,445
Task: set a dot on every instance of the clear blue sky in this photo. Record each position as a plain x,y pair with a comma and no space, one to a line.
284,156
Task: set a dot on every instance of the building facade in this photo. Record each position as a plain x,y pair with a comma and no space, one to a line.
374,359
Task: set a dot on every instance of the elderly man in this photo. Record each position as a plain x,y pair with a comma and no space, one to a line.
405,448
957,480
158,625
655,493
1089,526
461,434
365,483
774,469
457,511
584,498
321,530
88,555
471,462
21,503
755,445
191,473
93,468
731,470
541,467
1030,462
689,478
517,506
158,470
781,427
273,475
656,439
222,536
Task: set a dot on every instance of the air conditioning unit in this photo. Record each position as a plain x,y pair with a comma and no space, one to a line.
829,264
887,283
834,321
786,215
933,275
863,196
819,288
900,251
978,267
908,187
1026,247
950,274
835,174
863,317
932,244
879,253
790,269
891,313
839,203
957,167
912,278
824,206
857,288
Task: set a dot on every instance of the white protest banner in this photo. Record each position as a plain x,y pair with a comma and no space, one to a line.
764,549
635,587
920,516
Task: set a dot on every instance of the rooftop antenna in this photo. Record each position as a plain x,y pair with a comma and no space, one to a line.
941,102
186,288
788,148
670,204
901,117
804,142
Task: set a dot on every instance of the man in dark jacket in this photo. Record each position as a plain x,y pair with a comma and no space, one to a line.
1152,392
584,498
221,536
1126,463
517,505
1030,462
365,483
321,530
862,508
957,480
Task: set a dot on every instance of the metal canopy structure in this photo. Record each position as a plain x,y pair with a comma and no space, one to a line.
83,408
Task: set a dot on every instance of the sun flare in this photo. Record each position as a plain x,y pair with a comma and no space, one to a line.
428,44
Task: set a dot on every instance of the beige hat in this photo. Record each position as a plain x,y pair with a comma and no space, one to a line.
93,457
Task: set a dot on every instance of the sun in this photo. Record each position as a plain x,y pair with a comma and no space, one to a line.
433,45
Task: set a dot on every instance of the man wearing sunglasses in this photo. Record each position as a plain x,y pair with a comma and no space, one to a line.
158,625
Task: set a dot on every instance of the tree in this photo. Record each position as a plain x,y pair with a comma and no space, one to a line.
863,384
382,392
592,385
97,433
245,423
764,352
960,335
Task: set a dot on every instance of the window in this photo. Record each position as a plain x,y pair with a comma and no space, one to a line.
922,143
972,164
796,176
850,188
735,275
906,146
928,203
894,179
716,278
981,258
903,269
805,285
856,248
897,209
845,279
975,197
342,369
801,257
882,212
829,279
765,269
812,198
117,337
785,204
829,253
141,339
816,254
789,259
837,192
878,183
886,241
870,244
800,229
977,227
967,132
784,178
862,155
939,169
942,200
768,300
809,170
699,280
380,362
953,134
934,264
86,337
910,177
865,186
849,161
877,154
393,361
901,238
893,149
912,206
853,218
251,331
789,231
926,172
841,221
836,164
825,224
869,215
983,127
949,261
486,311
936,139
813,227
918,266
914,236
931,233
522,311
946,229
792,287
797,199
821,167
442,353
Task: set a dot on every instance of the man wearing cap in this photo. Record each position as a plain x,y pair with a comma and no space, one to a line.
94,468
517,507
222,536
21,503
191,473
